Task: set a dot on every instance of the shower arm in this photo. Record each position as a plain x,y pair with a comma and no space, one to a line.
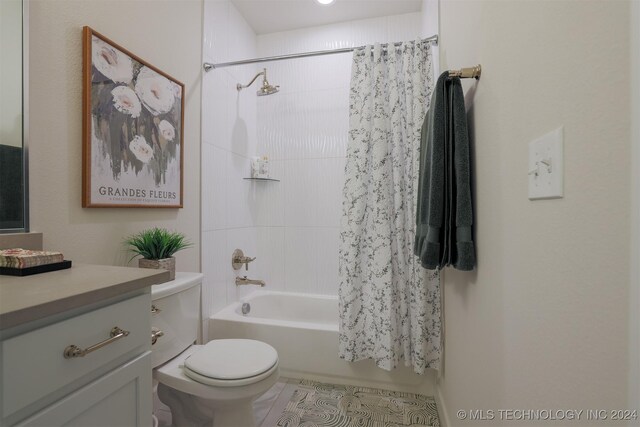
261,73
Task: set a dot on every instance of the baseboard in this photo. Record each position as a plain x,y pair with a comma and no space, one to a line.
442,408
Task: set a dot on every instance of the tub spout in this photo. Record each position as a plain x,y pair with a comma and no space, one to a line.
245,281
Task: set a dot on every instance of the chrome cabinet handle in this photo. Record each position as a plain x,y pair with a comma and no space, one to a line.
155,309
155,334
74,351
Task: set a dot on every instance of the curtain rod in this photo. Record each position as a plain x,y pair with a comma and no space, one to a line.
209,66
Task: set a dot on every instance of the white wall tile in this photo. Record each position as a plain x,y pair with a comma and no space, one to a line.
329,191
269,205
369,31
240,195
327,240
271,258
214,265
273,135
215,97
326,118
302,125
241,120
404,27
327,37
300,267
214,188
301,198
243,74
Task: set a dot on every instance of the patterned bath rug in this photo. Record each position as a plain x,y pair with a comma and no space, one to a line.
316,404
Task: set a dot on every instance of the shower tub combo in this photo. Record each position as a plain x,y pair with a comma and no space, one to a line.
303,328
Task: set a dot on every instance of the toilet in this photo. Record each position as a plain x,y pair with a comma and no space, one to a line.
204,385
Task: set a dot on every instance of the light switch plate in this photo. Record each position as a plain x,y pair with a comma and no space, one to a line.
546,166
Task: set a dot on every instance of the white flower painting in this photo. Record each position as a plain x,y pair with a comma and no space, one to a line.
112,63
126,101
155,91
167,130
141,149
133,144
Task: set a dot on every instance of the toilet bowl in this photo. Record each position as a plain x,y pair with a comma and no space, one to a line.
204,385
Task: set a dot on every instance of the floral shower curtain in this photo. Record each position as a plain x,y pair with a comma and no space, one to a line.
389,305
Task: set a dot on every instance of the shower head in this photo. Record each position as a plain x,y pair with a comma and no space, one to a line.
266,89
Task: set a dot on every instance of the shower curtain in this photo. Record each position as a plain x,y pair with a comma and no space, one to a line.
389,305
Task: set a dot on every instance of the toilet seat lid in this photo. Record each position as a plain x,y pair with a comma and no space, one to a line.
232,359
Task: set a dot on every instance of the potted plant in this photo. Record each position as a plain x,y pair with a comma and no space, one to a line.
156,246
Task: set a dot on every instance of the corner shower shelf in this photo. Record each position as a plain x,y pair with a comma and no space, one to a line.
262,179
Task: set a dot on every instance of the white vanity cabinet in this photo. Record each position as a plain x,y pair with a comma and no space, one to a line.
88,365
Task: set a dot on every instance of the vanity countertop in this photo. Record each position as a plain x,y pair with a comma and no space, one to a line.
24,299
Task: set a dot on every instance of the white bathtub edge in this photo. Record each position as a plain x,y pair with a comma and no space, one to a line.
230,312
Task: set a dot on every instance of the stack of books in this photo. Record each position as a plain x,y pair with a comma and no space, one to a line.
24,258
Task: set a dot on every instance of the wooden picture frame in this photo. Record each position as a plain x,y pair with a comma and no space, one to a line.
132,129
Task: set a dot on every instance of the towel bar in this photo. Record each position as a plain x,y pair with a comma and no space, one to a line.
467,73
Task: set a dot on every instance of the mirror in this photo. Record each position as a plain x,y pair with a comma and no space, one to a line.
13,116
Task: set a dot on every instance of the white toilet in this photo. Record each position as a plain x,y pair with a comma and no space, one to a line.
203,385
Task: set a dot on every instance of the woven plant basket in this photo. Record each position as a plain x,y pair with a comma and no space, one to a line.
160,264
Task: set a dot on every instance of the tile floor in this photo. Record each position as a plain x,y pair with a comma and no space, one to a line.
271,406
267,408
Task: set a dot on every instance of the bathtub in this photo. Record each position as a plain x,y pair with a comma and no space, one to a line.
303,328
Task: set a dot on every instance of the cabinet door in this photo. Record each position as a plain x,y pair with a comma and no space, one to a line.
33,363
121,398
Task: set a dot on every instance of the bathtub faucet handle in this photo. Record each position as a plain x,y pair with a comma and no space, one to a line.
246,262
238,258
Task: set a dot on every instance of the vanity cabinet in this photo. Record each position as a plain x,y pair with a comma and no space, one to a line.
86,365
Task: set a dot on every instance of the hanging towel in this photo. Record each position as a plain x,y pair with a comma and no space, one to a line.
444,216
429,242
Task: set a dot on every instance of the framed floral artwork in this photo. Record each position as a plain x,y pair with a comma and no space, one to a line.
133,138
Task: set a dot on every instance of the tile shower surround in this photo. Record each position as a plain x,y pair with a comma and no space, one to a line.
291,226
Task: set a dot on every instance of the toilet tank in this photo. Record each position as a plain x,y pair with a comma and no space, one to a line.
176,312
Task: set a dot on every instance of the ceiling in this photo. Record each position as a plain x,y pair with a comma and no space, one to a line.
270,16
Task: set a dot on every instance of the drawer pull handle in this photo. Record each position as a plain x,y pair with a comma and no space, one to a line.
155,309
155,334
74,351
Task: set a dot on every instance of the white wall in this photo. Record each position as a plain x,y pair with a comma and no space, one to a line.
634,307
304,130
168,34
543,322
228,140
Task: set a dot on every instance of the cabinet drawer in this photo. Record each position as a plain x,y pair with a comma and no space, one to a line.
120,398
34,366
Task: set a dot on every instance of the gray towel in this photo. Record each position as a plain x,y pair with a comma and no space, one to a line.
444,215
431,201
